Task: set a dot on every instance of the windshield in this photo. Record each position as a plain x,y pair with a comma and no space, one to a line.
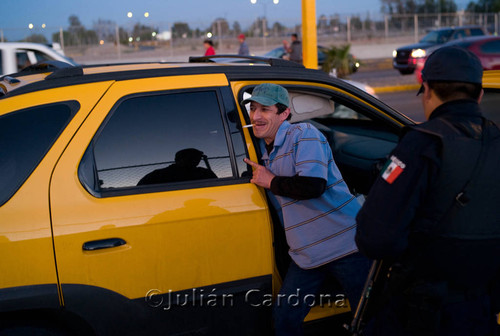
275,53
437,36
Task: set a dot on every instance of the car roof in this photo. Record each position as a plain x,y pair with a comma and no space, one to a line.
53,74
27,45
458,27
472,39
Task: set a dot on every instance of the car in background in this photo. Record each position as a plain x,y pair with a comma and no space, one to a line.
15,56
491,97
405,58
280,52
486,48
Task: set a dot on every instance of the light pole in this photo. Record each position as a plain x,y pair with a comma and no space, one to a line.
264,20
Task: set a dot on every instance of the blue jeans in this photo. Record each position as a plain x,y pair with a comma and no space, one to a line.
296,295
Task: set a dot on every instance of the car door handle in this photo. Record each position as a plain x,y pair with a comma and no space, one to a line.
103,244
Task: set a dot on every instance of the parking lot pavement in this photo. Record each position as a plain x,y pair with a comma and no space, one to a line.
379,74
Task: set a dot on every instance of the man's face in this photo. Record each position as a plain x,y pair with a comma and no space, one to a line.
266,120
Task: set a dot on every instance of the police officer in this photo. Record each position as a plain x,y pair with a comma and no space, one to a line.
433,212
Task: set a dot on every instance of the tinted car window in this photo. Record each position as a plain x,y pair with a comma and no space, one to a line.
41,57
22,60
459,34
436,36
159,139
476,32
491,47
25,138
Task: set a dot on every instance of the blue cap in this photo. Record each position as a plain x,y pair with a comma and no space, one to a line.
269,94
453,64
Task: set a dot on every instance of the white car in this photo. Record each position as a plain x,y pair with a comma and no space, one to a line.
14,56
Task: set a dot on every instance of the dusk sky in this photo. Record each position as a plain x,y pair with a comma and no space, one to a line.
16,15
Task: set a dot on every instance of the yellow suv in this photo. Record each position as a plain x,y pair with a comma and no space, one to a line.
126,207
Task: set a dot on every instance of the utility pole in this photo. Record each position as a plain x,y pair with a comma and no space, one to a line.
117,38
309,34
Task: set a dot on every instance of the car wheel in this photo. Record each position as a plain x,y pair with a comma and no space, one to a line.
30,328
42,323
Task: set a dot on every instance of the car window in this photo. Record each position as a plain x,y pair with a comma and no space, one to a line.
476,32
304,106
275,53
25,137
1,62
162,139
459,34
440,36
491,47
41,57
22,59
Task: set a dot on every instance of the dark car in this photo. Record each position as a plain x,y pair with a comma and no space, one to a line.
487,48
322,51
405,58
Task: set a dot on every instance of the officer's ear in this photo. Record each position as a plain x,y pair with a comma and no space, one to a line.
481,94
427,91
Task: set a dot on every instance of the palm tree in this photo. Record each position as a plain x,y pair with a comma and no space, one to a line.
338,58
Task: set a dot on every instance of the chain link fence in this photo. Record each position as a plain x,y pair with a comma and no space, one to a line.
112,43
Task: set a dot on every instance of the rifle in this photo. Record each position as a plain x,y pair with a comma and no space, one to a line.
370,298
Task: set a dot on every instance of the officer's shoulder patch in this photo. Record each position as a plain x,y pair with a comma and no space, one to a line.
392,169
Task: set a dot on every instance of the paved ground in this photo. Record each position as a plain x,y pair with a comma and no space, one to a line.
380,75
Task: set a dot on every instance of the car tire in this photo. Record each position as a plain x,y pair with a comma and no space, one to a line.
42,323
28,328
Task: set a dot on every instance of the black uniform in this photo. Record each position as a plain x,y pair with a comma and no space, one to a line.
446,253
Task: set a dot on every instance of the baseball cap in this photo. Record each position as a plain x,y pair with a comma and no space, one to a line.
269,94
452,64
241,36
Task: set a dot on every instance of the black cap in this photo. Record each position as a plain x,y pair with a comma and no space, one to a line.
453,64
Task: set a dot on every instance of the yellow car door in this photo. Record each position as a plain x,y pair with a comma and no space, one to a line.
34,130
155,223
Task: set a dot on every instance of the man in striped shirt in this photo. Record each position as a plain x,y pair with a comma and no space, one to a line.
318,209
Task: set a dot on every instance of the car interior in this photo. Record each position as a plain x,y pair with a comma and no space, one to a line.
360,144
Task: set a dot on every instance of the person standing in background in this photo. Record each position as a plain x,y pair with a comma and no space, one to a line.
294,49
209,47
243,51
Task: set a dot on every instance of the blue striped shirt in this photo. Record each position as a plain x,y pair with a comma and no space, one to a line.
318,230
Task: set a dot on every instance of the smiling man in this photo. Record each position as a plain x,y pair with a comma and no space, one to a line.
318,209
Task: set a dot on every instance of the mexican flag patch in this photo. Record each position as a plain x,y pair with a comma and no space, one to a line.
393,168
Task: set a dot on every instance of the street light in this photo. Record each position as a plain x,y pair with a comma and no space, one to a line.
264,32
